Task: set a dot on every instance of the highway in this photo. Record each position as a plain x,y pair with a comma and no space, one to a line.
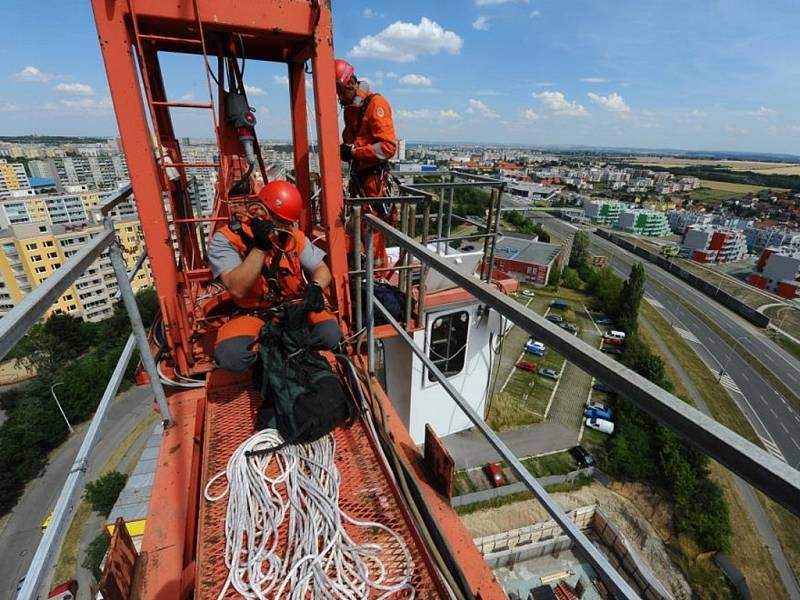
773,419
20,536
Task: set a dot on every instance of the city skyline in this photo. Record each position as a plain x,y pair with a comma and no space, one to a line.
498,71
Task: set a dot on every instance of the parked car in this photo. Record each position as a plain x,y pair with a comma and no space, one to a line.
614,341
600,425
611,349
535,348
571,327
602,387
603,321
65,591
549,373
595,404
527,365
596,413
46,521
583,456
555,318
559,305
528,293
613,333
495,474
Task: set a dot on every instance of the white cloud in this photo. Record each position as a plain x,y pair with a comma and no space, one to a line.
427,114
416,80
187,97
534,13
404,42
9,107
369,13
594,80
253,90
530,115
697,113
391,75
476,107
481,23
494,2
281,79
76,89
763,111
85,105
612,103
559,105
545,84
30,73
263,110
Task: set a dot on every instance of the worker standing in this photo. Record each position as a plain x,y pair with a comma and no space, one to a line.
368,142
261,258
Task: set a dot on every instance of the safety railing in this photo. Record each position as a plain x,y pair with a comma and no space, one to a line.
417,199
27,313
761,469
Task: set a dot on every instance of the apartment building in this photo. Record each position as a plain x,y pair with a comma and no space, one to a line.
13,178
709,244
98,171
71,207
761,238
778,270
643,222
525,258
33,251
603,212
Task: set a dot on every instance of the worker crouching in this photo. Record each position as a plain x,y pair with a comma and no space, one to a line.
261,258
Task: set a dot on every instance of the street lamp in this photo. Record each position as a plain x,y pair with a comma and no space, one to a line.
63,414
728,360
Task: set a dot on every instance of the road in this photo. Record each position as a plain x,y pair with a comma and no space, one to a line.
21,535
774,420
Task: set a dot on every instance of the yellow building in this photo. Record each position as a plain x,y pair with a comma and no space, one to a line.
12,177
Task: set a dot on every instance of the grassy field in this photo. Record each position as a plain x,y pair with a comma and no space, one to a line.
736,188
766,168
748,553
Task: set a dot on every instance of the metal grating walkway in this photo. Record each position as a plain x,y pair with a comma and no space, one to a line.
365,492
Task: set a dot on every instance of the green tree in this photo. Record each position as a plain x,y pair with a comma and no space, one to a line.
93,561
103,492
554,280
579,255
630,299
570,279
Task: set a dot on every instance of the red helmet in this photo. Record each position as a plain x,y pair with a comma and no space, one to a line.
344,71
283,199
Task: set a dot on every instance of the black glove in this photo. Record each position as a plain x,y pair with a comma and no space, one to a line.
261,231
315,301
346,152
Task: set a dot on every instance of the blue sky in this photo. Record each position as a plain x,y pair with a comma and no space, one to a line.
696,75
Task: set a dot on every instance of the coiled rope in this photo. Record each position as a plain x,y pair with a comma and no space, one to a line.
300,483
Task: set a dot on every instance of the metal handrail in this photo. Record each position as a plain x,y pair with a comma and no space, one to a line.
115,201
772,476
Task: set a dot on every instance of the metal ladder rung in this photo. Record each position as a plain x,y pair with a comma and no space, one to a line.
166,38
183,104
190,165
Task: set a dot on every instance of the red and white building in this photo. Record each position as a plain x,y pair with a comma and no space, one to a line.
525,258
778,270
712,245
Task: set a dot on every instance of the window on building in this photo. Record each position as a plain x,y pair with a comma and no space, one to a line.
40,269
36,258
31,246
448,343
52,255
42,228
56,265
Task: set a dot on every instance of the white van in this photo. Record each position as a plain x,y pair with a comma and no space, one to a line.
613,333
600,425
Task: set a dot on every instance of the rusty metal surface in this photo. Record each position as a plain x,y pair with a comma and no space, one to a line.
115,584
439,463
365,492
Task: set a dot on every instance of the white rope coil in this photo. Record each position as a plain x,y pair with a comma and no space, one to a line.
319,558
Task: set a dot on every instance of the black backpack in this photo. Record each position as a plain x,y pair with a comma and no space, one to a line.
302,397
390,296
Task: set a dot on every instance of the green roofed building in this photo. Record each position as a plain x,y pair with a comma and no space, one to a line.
603,212
643,222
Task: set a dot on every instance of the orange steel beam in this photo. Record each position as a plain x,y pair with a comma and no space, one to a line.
123,80
479,576
297,93
332,195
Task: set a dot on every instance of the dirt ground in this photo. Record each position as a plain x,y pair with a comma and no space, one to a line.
643,530
11,373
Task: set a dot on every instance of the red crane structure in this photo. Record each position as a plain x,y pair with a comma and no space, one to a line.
183,548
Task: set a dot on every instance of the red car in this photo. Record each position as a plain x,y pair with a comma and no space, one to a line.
495,474
527,365
612,341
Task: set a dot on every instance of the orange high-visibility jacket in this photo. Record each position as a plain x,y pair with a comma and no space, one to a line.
375,139
288,270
